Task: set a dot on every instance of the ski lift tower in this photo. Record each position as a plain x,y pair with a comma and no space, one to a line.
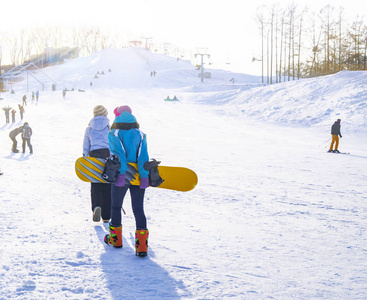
146,42
202,52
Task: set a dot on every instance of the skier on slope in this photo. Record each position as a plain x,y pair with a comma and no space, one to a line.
130,144
335,133
95,144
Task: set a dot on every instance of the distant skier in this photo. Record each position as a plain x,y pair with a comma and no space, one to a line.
37,95
13,112
26,137
335,133
32,95
95,144
7,113
21,111
12,136
24,100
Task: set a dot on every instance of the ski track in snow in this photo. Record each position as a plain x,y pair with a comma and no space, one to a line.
273,217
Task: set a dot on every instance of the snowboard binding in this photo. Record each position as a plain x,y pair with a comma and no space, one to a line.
154,178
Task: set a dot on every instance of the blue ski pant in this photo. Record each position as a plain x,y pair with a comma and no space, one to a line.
137,204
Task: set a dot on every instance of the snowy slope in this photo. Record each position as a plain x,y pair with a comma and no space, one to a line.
273,215
307,102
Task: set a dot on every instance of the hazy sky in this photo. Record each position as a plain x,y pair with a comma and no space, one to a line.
227,28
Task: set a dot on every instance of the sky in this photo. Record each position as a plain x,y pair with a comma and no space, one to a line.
227,30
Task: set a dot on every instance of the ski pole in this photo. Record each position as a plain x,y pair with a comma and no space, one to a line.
325,142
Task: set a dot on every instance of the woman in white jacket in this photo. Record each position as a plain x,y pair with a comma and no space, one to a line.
95,144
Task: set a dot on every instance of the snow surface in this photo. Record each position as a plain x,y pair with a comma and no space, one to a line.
273,216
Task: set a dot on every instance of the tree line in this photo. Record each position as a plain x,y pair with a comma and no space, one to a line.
297,43
21,45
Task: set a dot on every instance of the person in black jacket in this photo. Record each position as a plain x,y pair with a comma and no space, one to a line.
26,137
335,133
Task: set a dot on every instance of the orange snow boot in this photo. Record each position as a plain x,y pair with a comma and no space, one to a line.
115,236
141,242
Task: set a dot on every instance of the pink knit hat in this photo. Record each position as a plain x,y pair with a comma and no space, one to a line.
120,109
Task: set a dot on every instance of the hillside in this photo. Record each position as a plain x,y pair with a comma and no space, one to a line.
274,216
305,102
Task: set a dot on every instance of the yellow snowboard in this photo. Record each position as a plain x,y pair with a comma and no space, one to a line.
90,169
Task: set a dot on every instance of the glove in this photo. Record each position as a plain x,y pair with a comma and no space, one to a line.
120,182
144,183
341,136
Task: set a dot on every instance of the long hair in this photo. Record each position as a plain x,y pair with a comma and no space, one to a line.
125,126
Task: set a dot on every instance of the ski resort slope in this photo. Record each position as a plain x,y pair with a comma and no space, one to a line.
273,216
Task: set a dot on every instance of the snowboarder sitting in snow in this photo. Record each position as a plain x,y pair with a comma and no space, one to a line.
95,144
130,145
12,136
26,137
335,133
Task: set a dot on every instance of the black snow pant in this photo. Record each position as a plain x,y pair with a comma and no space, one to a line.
101,192
28,141
101,196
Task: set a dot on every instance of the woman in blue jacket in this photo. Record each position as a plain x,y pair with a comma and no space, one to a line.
96,144
129,143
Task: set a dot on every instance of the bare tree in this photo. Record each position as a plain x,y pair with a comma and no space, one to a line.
300,42
12,42
340,39
261,20
281,45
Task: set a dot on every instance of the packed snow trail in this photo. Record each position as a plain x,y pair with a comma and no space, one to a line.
273,216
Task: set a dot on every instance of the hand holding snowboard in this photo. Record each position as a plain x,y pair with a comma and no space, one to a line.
90,169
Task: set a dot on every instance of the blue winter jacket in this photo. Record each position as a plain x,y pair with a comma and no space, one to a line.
129,143
96,135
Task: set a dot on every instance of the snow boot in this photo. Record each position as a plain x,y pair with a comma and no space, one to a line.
97,214
115,236
141,242
336,151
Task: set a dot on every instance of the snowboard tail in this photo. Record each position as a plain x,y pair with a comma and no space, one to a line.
90,169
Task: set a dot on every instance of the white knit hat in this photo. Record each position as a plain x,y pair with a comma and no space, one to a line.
100,110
